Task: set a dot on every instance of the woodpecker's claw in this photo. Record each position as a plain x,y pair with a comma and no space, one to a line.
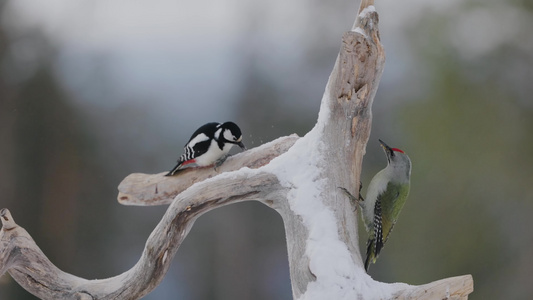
219,162
354,201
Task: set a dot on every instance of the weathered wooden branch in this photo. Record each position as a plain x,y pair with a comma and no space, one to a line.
298,177
157,189
30,268
453,288
26,263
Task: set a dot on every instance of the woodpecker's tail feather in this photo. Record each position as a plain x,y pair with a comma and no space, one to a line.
369,254
175,169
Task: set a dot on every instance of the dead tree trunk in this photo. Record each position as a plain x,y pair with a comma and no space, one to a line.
298,177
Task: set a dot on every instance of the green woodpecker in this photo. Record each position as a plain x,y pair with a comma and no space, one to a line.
385,197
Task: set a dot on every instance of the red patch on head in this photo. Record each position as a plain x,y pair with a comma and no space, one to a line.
397,150
190,161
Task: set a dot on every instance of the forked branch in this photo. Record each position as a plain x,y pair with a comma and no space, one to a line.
25,262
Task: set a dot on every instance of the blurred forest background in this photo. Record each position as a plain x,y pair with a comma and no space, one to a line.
91,91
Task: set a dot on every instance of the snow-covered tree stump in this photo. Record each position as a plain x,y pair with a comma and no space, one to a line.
298,177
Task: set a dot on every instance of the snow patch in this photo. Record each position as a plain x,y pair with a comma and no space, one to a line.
299,169
364,14
360,31
367,10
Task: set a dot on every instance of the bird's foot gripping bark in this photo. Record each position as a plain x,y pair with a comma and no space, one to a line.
220,161
355,201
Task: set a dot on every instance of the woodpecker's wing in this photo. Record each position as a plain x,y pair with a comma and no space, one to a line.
197,149
199,142
396,194
378,227
375,241
208,130
197,145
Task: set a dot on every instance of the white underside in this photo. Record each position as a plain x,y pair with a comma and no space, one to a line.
377,185
214,154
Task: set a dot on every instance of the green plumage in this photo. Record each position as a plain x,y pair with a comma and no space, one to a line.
385,198
388,206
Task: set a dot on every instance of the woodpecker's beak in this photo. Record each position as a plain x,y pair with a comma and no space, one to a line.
386,148
240,144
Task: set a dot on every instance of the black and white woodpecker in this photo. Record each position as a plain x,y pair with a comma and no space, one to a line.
209,145
385,197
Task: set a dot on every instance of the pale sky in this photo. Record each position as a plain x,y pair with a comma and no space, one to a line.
159,49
